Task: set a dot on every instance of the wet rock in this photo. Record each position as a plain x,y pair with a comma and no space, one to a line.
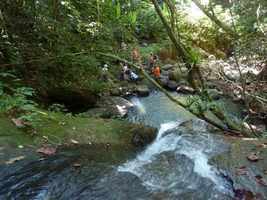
247,176
188,124
175,75
142,91
185,89
119,186
165,73
172,85
167,67
116,91
166,169
143,135
122,91
110,107
193,125
215,94
163,81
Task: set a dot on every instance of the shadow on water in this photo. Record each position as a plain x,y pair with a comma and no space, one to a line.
174,166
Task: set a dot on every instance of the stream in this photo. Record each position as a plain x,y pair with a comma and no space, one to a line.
175,166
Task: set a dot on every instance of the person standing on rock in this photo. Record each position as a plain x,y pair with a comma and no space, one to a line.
151,61
136,58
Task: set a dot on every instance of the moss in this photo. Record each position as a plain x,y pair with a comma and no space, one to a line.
60,128
11,135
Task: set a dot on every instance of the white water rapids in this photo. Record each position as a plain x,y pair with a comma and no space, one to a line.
159,172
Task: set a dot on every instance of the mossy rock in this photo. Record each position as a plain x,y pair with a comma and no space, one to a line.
59,128
175,75
240,169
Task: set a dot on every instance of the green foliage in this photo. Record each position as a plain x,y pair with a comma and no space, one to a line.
154,47
54,33
16,100
149,25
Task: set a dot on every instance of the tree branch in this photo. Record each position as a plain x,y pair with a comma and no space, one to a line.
213,18
176,101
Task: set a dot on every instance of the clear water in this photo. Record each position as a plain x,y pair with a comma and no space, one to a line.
175,166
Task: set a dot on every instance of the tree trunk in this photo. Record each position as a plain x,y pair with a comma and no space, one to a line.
185,55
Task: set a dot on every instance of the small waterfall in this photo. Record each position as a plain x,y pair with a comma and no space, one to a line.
168,140
160,145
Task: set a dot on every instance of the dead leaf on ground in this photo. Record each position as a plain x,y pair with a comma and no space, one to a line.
47,151
12,160
253,157
260,180
18,122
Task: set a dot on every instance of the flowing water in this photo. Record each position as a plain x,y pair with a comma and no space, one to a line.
174,166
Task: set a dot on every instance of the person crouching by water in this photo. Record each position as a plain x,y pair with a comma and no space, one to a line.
151,61
156,71
133,76
125,72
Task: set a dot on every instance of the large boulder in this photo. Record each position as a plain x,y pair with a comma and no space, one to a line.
245,165
78,130
110,107
172,85
165,73
142,90
163,81
215,94
142,135
167,67
175,75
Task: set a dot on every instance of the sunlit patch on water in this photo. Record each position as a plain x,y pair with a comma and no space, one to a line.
140,107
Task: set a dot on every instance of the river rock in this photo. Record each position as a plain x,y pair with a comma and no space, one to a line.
185,89
167,67
172,85
215,94
142,91
163,81
143,135
249,178
165,73
110,107
175,75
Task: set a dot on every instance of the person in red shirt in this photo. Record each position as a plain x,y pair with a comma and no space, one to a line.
156,71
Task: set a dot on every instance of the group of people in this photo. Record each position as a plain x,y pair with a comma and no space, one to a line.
128,74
